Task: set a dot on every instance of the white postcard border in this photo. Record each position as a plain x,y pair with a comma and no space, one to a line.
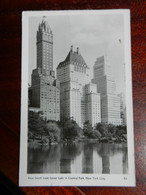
75,179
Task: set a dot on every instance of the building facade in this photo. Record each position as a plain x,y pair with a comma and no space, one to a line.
123,108
77,94
110,101
45,89
93,108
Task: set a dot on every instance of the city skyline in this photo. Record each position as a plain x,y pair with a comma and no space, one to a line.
74,94
92,41
75,121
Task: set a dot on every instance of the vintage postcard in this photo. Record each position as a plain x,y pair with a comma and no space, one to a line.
76,99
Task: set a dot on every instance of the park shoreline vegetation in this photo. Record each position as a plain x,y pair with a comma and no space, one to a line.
50,132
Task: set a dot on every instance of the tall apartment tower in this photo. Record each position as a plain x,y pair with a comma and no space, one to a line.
78,97
110,101
45,89
122,108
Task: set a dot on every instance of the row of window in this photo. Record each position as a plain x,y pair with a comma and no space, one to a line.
79,69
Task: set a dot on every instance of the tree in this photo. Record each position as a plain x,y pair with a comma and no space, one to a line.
89,132
87,129
36,124
123,128
71,130
112,129
53,131
102,128
96,134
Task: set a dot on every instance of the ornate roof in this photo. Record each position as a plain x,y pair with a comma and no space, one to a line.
74,57
44,26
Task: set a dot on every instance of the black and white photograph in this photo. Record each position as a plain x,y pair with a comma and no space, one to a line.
76,100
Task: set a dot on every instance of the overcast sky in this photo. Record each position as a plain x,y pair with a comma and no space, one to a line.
95,35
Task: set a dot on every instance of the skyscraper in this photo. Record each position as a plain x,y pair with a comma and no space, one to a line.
45,47
122,108
78,96
45,89
110,101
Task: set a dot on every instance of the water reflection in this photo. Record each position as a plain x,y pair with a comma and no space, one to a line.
78,157
68,153
104,152
87,160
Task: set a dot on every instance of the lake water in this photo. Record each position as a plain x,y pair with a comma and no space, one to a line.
78,157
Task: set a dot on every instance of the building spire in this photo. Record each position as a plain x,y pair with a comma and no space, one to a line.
44,26
44,18
71,48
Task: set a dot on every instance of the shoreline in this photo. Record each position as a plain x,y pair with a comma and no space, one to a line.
40,142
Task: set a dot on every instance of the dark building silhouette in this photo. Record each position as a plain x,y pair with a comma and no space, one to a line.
45,89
